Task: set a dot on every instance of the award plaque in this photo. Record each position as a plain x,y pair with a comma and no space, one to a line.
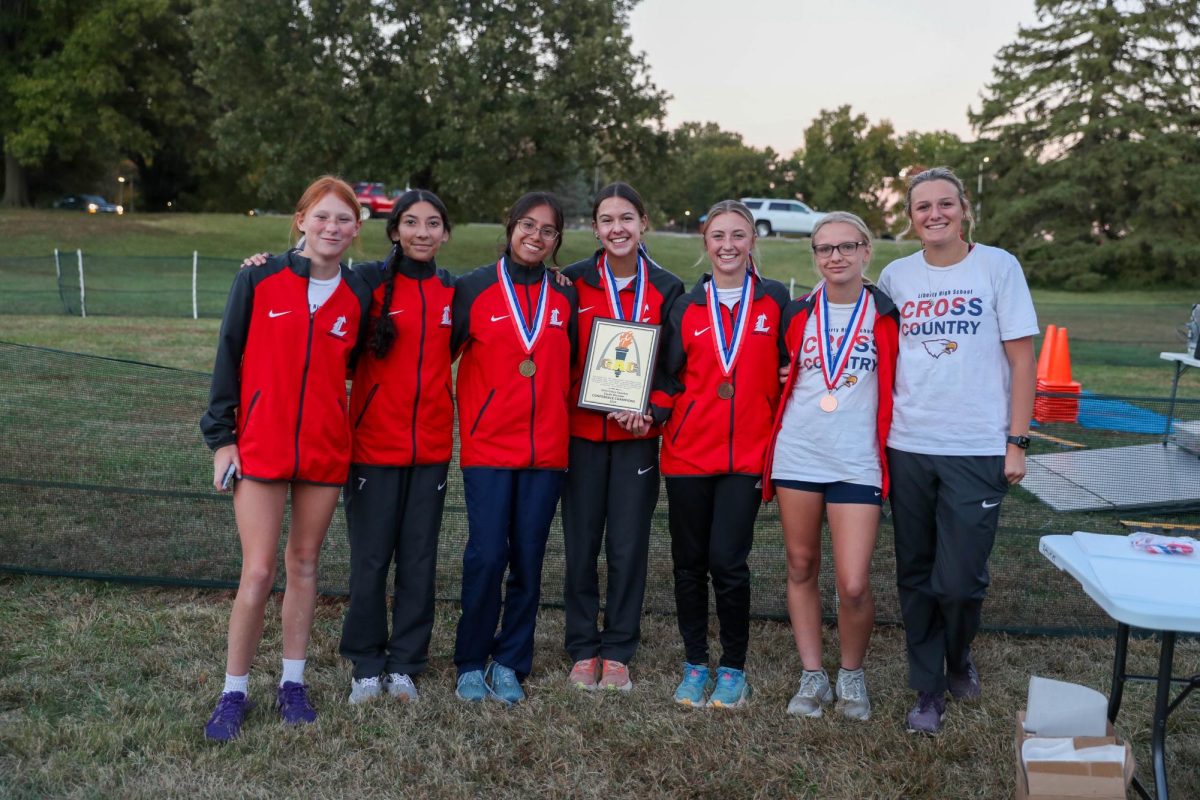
619,368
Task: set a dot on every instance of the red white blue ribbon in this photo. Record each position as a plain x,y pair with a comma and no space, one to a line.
527,333
832,368
727,352
640,279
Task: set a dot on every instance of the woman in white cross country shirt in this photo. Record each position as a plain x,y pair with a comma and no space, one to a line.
965,383
826,454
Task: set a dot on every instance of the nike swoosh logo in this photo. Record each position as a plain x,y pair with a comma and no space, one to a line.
704,330
497,319
441,486
878,494
394,313
589,308
274,314
645,470
986,504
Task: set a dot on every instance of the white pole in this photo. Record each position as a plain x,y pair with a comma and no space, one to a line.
792,289
82,294
57,268
195,264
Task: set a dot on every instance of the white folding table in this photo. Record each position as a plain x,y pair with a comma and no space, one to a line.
1153,592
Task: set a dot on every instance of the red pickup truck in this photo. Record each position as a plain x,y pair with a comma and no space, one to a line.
375,197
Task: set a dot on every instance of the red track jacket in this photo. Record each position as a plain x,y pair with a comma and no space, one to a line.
887,345
402,406
705,434
664,288
507,420
279,382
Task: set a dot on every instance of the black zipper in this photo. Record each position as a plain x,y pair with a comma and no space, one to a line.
532,380
366,404
312,315
482,409
732,402
420,362
675,435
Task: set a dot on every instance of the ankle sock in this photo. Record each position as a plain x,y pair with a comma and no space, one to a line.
237,683
293,671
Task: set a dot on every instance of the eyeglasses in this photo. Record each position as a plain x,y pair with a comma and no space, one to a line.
845,248
529,227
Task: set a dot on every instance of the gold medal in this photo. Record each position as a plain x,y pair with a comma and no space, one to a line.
725,390
829,403
527,368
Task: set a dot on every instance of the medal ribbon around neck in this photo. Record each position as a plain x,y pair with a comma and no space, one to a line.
640,279
832,368
528,334
727,353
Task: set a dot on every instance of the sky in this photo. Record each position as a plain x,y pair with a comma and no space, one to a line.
766,68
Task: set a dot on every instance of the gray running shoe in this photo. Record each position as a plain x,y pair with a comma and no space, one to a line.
364,689
927,715
400,686
814,690
852,699
965,685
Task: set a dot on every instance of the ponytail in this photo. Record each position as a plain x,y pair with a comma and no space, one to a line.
384,333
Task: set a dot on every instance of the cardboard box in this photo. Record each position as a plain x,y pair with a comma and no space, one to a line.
1071,780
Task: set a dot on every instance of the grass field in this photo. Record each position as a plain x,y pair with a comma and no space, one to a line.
103,688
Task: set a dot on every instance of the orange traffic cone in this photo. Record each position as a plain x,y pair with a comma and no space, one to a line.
1043,367
1060,359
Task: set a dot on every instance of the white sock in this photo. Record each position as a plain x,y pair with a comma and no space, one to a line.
293,671
237,683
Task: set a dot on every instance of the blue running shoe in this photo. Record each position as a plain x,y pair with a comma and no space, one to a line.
293,705
694,686
471,687
225,724
732,690
504,685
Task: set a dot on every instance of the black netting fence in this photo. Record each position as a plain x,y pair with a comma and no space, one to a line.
103,474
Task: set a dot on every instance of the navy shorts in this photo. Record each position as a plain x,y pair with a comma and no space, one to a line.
838,491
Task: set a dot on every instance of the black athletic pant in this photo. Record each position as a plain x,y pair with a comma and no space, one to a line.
945,511
617,483
393,514
712,530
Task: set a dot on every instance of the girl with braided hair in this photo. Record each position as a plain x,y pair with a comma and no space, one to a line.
402,414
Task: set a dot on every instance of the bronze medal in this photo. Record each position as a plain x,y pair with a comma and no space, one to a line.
829,403
527,368
725,390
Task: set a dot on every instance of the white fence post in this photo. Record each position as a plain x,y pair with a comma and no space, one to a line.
82,294
195,263
57,268
792,289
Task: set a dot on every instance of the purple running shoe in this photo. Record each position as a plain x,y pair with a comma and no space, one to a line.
293,704
225,724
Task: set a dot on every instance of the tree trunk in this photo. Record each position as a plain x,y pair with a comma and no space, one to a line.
16,183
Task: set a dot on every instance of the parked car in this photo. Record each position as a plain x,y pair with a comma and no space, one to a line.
781,216
91,203
375,197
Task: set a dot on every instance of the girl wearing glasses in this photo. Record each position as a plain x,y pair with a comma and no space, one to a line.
276,420
963,399
717,398
612,487
826,455
515,328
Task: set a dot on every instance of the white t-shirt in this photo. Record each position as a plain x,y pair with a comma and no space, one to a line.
623,282
952,390
842,445
321,290
729,297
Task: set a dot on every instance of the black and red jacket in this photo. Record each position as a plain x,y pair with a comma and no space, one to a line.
279,381
887,346
507,420
661,292
705,434
402,405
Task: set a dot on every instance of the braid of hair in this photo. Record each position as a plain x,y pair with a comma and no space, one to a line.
385,330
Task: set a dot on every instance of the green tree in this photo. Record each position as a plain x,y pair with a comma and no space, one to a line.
477,100
1093,121
84,86
848,164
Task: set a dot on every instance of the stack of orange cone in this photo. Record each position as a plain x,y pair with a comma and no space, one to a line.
1054,376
